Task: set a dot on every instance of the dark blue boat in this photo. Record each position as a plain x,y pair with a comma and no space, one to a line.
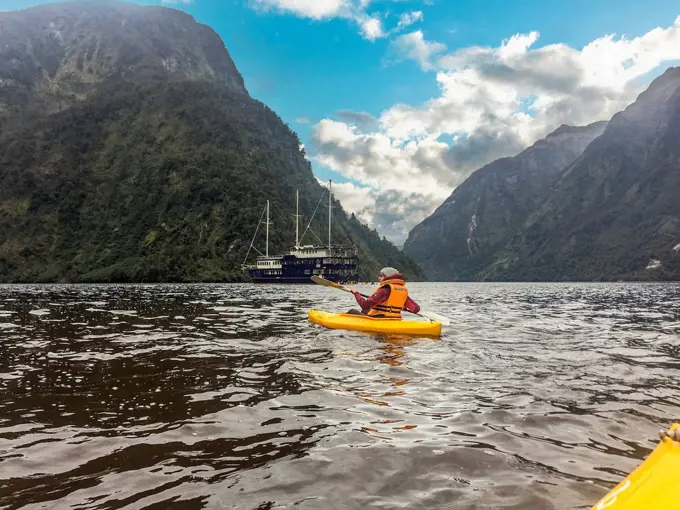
333,262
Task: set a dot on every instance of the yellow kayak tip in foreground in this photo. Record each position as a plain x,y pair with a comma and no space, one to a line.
655,484
374,325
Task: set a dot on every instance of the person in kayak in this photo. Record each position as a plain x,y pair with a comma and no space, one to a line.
389,299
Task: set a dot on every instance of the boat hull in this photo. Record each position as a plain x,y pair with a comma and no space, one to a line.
374,325
297,279
337,264
282,279
653,484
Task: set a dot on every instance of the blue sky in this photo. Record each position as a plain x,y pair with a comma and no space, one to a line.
310,60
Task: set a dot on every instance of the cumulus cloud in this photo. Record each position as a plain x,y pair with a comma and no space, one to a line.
492,102
359,200
391,213
316,9
414,46
396,213
379,161
370,25
409,18
401,181
516,46
364,121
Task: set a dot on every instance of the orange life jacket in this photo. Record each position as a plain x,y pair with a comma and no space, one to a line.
395,302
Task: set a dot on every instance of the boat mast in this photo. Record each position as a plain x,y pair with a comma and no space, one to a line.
266,250
330,211
297,217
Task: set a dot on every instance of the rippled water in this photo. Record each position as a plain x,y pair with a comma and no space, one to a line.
224,396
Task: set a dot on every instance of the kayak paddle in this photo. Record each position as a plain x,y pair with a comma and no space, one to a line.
428,315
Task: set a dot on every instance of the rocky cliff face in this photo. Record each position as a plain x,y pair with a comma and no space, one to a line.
615,212
462,237
130,150
594,203
56,54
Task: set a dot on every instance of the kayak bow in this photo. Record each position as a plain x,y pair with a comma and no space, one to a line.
654,483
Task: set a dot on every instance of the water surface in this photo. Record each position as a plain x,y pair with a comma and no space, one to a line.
539,396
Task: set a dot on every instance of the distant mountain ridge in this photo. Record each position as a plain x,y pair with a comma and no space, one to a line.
56,54
617,207
610,213
482,214
130,150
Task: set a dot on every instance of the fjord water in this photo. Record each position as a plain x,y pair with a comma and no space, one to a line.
538,396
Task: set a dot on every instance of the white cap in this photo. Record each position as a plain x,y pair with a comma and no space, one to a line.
388,271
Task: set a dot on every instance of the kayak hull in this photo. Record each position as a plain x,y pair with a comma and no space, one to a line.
654,483
374,325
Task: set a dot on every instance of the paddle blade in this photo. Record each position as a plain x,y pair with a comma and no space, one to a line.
436,317
327,283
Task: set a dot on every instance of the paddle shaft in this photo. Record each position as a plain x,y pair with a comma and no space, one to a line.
348,290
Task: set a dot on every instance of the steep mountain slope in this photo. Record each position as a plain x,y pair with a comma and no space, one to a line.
56,54
617,207
462,237
130,150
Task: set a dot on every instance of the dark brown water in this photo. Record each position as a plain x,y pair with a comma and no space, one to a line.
188,396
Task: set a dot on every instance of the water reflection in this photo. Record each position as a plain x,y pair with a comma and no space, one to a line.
200,396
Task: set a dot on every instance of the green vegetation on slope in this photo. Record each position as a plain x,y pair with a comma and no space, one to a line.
158,182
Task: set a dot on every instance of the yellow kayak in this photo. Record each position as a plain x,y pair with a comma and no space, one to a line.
364,323
655,484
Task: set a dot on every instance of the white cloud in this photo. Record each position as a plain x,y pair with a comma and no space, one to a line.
370,25
405,175
303,120
364,121
492,102
371,28
177,1
316,9
516,46
414,46
409,18
389,212
379,161
359,200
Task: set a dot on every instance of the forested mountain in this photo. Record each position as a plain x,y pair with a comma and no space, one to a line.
463,236
603,206
615,212
130,150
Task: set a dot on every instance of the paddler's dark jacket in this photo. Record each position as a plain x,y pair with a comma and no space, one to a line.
381,295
